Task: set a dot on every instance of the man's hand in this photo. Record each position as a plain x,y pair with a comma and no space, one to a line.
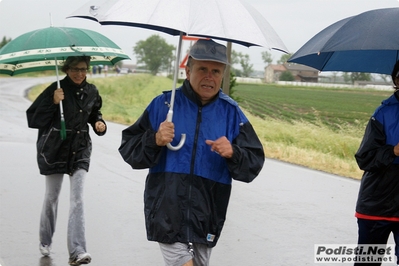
58,96
396,149
165,134
222,146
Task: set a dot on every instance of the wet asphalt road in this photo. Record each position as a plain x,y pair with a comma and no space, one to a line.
275,220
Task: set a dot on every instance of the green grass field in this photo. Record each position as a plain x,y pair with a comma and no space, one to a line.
320,128
333,108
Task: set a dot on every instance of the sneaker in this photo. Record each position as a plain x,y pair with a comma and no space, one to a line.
83,258
44,249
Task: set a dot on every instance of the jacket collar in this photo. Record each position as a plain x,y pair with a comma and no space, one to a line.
73,84
393,99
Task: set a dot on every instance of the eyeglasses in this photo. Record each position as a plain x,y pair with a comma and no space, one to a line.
76,70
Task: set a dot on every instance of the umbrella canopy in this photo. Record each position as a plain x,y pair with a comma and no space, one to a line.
227,20
46,49
38,50
368,42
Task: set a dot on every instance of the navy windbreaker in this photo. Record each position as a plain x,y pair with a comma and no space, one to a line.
379,189
187,191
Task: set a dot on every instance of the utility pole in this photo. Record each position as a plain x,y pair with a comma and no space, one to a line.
226,78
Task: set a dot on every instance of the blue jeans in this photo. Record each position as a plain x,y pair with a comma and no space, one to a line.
76,223
377,232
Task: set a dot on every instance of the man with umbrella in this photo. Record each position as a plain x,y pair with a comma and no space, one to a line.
377,208
187,190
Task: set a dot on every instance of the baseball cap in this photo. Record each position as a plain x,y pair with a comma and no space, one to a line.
208,50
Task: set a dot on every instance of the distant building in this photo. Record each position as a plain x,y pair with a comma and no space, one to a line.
273,73
301,73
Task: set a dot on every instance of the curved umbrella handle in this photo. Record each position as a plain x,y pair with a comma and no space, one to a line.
178,147
183,136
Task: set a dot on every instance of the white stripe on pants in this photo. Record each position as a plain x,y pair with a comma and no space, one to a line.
76,223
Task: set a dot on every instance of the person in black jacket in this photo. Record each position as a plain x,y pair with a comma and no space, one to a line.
377,208
81,104
187,191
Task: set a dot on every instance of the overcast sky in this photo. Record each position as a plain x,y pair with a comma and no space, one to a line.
295,21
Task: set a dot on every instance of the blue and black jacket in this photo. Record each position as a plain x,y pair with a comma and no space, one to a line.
379,189
187,191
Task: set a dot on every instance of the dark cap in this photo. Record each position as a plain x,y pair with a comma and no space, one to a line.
208,50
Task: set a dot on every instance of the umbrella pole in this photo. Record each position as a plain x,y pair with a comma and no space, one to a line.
63,129
172,98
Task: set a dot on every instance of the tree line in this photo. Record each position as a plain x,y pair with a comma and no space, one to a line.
156,55
4,41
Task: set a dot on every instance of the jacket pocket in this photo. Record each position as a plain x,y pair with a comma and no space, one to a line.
51,148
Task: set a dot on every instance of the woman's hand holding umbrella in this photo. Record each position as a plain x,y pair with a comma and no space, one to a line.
58,96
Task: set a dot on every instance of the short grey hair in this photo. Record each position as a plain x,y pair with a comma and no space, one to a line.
72,61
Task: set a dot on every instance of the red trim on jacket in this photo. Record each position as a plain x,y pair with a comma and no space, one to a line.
371,217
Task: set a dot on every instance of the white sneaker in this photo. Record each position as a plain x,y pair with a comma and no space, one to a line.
83,258
44,249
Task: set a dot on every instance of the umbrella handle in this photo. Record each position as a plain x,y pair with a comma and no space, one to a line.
183,136
172,99
63,128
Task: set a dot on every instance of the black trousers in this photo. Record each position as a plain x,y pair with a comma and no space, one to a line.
377,232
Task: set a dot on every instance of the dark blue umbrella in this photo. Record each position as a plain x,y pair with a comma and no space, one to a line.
368,42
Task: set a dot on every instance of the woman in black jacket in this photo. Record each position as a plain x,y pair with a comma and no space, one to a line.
81,105
377,208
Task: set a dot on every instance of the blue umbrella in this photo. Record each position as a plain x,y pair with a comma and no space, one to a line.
368,42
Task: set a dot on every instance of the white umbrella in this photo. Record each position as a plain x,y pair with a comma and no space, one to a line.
228,20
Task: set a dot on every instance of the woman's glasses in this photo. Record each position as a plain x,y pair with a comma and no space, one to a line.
76,70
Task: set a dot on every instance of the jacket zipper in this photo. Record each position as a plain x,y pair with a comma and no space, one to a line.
197,127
